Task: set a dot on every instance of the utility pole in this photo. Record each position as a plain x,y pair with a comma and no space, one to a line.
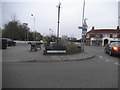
58,21
34,27
83,12
83,27
26,27
49,32
52,32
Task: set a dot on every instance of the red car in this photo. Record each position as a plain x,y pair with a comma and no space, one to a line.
113,48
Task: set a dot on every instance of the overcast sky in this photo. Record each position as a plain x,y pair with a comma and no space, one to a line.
100,13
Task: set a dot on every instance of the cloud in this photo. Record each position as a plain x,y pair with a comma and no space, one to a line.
100,14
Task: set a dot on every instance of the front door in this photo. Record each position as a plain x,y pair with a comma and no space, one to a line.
105,42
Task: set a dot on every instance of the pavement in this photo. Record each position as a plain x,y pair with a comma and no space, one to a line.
21,53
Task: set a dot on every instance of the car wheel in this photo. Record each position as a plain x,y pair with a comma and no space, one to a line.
110,53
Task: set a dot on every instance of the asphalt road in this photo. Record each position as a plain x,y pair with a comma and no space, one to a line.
100,54
98,72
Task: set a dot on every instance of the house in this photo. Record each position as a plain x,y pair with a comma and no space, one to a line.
102,36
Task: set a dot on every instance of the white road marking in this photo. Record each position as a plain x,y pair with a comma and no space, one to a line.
116,63
107,60
100,56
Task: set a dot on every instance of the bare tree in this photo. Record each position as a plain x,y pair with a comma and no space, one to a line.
13,17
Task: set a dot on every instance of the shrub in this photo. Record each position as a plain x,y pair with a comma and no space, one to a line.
72,48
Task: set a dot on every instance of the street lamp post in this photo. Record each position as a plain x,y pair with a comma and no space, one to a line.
50,32
58,21
34,27
26,33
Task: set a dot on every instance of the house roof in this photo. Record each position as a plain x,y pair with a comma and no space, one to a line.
104,30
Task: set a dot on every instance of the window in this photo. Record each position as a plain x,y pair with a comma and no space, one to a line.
114,35
88,36
112,44
97,36
106,35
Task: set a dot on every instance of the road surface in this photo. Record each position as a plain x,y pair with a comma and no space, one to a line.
98,72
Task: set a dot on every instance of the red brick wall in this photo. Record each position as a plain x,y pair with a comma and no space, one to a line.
111,35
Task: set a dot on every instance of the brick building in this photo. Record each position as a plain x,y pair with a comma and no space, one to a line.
102,36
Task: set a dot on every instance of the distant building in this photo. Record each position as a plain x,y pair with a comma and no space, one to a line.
102,36
72,38
119,13
64,37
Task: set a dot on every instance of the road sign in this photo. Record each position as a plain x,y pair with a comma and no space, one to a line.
80,27
84,32
84,29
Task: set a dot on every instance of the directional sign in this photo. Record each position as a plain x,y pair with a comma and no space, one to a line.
84,29
84,32
85,25
80,27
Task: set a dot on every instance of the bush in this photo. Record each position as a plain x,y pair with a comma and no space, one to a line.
72,48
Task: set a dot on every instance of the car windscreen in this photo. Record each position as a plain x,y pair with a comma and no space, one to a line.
118,43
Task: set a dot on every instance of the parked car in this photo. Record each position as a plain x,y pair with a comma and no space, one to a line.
78,44
113,48
3,43
10,42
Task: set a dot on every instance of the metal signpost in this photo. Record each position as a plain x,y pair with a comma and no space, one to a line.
84,28
84,31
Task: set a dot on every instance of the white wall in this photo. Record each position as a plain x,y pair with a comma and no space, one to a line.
109,40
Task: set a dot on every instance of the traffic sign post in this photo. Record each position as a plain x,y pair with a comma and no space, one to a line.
84,31
83,27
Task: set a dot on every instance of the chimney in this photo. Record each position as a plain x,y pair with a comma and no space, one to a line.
93,28
118,28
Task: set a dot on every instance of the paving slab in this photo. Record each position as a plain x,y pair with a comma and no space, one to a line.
21,53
